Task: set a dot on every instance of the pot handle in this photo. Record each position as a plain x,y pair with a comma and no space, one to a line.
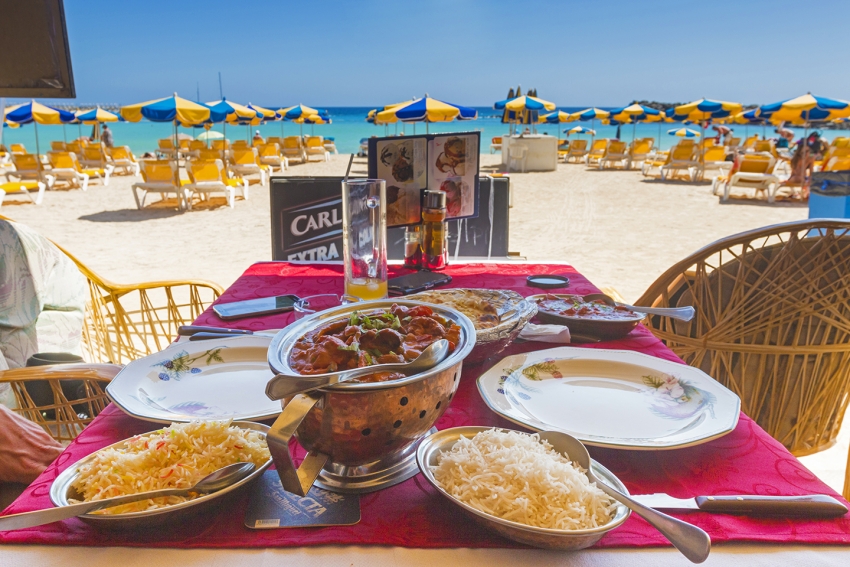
294,480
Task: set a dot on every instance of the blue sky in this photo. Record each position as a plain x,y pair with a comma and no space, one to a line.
369,52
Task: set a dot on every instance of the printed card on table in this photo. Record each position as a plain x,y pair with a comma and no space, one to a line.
403,163
272,507
453,169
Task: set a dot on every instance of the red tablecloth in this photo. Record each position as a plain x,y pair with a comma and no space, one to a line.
412,514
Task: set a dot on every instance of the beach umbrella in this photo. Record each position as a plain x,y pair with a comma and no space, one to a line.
427,109
37,113
704,111
93,117
555,117
300,114
805,109
169,109
526,108
580,130
509,117
210,135
234,113
684,133
633,114
593,114
372,116
312,120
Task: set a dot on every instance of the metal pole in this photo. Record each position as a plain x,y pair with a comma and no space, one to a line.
35,125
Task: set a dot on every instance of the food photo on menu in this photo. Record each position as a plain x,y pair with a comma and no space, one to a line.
453,169
402,163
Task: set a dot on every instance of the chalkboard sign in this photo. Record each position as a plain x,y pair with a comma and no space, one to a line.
306,221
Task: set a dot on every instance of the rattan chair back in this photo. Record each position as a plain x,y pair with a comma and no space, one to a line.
772,324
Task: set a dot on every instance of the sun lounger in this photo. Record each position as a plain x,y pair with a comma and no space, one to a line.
750,142
293,149
58,146
94,158
734,143
683,157
120,157
831,153
597,150
364,148
764,146
183,147
18,149
247,162
197,145
165,147
24,187
330,145
316,147
163,177
577,151
838,164
29,168
714,158
840,142
755,171
639,151
271,156
207,177
220,145
615,153
239,145
66,167
495,144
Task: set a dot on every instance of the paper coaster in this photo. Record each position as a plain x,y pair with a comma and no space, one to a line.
272,507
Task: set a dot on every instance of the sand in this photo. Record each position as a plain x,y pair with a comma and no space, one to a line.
616,228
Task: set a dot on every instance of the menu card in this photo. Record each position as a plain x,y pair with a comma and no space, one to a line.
412,164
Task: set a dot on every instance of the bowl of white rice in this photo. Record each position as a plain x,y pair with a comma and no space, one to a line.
518,485
177,456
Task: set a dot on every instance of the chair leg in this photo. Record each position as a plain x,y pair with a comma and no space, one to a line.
230,198
108,171
85,180
40,195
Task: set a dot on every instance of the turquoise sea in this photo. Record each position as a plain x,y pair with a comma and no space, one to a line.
349,126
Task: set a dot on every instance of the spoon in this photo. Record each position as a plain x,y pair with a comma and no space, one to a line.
213,482
680,313
689,539
284,385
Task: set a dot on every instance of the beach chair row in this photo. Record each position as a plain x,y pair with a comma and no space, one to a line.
293,148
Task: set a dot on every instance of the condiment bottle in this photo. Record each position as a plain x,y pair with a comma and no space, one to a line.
413,247
435,238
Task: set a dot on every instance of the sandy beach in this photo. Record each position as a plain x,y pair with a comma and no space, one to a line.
618,229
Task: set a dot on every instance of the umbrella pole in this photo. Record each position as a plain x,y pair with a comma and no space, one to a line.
224,143
426,127
64,133
35,125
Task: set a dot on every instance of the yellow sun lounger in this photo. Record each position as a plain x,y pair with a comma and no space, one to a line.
755,171
683,157
616,153
577,151
24,187
639,150
163,177
247,162
316,147
271,156
597,150
120,157
208,177
66,167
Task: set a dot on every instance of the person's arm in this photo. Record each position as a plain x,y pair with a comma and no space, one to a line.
25,448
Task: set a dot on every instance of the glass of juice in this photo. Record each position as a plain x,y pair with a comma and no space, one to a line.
364,238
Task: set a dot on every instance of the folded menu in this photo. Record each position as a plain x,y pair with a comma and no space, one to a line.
272,507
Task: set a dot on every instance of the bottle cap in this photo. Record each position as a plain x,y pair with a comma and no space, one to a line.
435,199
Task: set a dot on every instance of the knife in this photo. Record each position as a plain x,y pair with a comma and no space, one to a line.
200,333
813,506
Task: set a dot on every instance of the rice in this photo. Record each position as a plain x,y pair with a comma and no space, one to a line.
177,456
521,478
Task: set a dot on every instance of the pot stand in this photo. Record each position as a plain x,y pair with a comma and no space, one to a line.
315,468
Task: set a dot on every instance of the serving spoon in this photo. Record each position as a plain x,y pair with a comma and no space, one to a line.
213,482
693,542
284,385
680,313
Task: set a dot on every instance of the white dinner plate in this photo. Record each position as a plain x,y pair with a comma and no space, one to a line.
213,379
611,398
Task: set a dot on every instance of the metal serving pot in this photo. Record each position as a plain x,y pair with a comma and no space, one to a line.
360,436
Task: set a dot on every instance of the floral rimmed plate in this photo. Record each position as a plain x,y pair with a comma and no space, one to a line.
213,379
611,398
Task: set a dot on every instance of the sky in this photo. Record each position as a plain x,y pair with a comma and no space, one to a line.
368,52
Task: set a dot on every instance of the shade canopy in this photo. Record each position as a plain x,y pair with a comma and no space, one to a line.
171,109
426,109
210,135
299,111
522,103
555,117
635,113
233,111
590,114
704,109
97,115
33,111
684,133
806,108
580,130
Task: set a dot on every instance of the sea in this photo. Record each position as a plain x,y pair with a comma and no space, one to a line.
349,126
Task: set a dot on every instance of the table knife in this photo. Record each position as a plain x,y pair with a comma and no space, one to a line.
812,506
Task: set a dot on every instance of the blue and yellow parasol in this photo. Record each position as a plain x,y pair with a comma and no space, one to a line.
426,109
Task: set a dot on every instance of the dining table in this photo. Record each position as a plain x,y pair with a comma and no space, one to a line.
411,523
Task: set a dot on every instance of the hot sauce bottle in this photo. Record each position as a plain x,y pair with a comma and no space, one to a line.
435,234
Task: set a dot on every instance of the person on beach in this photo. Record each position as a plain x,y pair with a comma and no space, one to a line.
258,138
106,136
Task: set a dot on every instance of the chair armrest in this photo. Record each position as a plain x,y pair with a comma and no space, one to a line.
82,371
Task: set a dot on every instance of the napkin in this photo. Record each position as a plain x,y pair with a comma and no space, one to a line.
545,333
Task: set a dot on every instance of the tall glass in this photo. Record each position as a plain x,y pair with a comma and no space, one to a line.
364,238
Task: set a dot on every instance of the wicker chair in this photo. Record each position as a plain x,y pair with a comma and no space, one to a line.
772,324
123,323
